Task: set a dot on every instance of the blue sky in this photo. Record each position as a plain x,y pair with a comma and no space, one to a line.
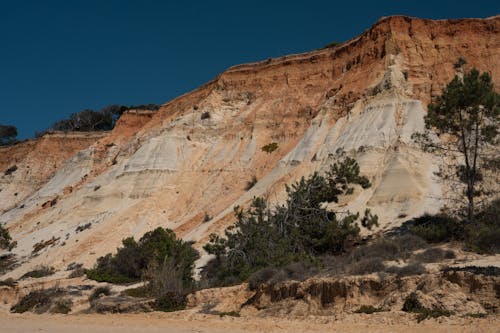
60,57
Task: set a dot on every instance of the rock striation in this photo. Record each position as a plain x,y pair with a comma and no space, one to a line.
363,98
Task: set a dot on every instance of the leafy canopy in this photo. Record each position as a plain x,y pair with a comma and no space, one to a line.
8,135
468,113
155,247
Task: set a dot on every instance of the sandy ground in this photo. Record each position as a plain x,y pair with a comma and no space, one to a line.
182,323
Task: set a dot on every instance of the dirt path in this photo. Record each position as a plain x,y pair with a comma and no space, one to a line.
184,323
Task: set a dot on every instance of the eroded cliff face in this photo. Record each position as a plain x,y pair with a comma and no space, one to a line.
35,162
363,98
458,292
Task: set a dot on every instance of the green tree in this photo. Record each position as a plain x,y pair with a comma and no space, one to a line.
465,118
8,135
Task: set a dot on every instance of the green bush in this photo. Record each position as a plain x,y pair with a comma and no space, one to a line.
5,239
77,272
164,262
168,285
38,301
434,255
483,270
330,45
7,262
38,272
437,228
8,135
10,170
251,183
368,309
139,292
388,248
481,236
412,304
89,120
269,148
131,260
484,235
98,292
10,282
407,270
62,306
299,230
367,266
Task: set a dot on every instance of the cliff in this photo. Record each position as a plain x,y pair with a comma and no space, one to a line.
363,98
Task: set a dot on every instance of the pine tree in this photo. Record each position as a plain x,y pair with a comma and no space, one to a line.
467,113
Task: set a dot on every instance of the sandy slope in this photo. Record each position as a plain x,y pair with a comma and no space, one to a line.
180,323
363,98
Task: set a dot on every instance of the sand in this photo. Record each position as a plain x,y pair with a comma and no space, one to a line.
182,322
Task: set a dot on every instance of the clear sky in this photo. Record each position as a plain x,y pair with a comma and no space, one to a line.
60,57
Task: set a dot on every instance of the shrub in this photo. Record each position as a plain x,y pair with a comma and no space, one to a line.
484,270
484,234
81,228
7,263
230,313
38,272
251,183
297,271
485,240
86,120
299,230
8,135
437,228
74,266
10,170
162,261
412,304
131,260
168,285
43,244
38,301
139,292
368,309
434,255
98,292
269,148
389,248
10,282
207,309
263,276
5,239
78,272
481,236
407,270
62,306
367,266
331,44
207,217
89,120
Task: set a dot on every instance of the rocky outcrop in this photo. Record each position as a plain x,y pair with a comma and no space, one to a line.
363,98
456,292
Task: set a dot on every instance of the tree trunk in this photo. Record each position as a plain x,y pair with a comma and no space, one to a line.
470,198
